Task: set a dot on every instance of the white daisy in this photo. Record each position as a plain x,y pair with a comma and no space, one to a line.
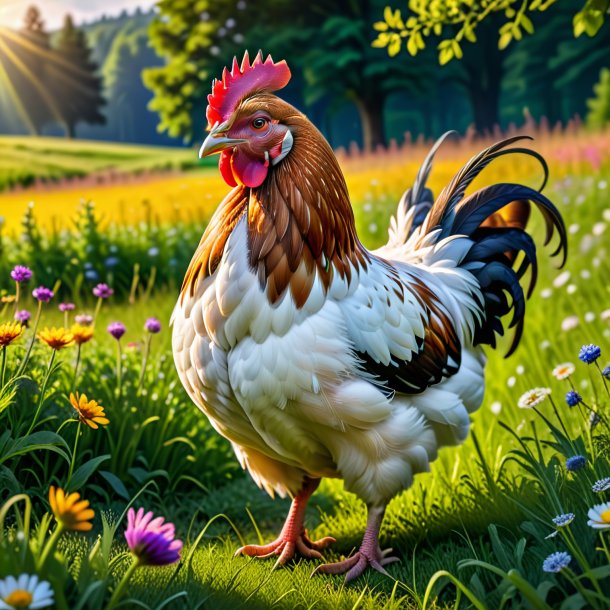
25,592
599,516
563,371
561,279
569,323
533,398
496,407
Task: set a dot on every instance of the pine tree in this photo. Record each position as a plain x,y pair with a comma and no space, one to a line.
77,87
599,106
24,58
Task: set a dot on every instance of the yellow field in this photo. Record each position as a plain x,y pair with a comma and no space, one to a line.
376,178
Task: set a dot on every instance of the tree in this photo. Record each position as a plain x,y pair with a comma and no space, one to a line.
490,26
77,86
23,59
599,106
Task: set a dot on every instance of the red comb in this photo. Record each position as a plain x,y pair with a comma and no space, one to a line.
237,84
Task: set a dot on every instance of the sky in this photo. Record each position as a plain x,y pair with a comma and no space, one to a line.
53,11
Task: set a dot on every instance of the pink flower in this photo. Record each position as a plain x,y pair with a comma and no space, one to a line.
152,541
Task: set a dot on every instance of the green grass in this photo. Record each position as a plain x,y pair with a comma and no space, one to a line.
26,159
490,500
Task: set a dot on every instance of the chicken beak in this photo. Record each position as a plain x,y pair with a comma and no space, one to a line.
217,141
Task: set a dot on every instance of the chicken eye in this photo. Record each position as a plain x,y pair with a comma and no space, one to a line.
259,123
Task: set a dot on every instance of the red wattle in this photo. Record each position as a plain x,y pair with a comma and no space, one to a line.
248,171
224,165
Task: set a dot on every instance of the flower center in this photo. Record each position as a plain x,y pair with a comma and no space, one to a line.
605,516
19,599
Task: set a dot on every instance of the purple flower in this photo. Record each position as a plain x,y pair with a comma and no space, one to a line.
152,325
102,291
589,353
116,329
21,274
606,372
152,541
84,319
23,316
576,462
573,398
42,294
66,307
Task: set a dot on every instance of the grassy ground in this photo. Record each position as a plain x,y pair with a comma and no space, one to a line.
482,501
26,159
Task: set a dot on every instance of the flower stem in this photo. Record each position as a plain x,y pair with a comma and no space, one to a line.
144,363
603,378
118,592
118,367
52,542
76,364
17,295
3,370
24,362
42,392
71,470
98,306
65,319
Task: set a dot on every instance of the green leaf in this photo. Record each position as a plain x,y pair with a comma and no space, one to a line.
44,441
83,472
527,24
116,484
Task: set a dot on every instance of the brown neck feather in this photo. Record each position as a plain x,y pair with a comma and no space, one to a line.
300,220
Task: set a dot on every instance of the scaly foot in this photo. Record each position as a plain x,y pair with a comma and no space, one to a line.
287,545
356,565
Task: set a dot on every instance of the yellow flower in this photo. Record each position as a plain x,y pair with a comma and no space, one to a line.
70,511
57,338
89,412
82,334
9,332
8,298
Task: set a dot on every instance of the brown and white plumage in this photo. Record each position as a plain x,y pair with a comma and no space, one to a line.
318,358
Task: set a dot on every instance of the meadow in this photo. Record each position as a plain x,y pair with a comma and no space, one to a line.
475,532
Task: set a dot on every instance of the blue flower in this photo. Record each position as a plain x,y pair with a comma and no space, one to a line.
576,462
573,398
563,520
111,261
91,275
606,372
589,353
154,251
601,485
556,562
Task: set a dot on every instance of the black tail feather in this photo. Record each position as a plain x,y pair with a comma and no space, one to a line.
493,256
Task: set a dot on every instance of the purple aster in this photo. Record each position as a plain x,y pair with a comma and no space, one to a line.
102,291
589,353
42,294
152,541
21,274
573,398
23,316
66,307
84,319
576,462
116,329
152,325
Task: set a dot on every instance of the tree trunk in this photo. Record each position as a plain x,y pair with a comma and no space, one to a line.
371,119
484,67
69,130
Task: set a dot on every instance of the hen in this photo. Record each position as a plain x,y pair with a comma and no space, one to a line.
318,358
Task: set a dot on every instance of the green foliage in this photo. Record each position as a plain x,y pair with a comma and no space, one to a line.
76,86
599,106
460,21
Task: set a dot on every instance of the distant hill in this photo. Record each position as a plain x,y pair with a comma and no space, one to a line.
120,48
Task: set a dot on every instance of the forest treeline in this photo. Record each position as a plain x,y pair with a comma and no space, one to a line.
154,72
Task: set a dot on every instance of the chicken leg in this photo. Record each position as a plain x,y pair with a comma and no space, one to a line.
369,554
293,538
